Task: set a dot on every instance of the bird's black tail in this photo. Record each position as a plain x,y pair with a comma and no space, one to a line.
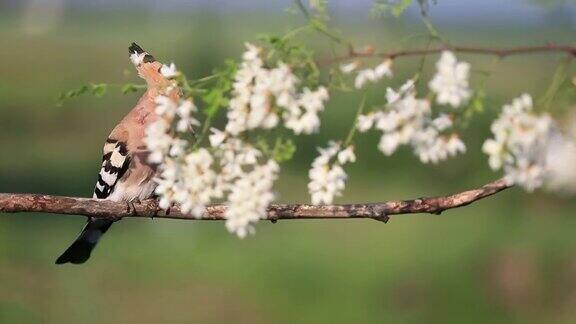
80,250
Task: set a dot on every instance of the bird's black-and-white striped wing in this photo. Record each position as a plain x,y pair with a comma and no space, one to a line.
115,163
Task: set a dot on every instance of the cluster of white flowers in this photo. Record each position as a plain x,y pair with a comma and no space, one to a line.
364,76
520,143
249,197
301,116
431,147
262,96
235,158
231,171
408,120
187,181
327,177
169,71
247,183
184,178
529,148
159,139
451,81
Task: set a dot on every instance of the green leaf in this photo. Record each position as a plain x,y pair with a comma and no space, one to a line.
78,92
478,101
293,53
475,107
129,88
283,150
217,96
99,90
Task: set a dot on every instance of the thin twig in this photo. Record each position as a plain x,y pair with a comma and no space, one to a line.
500,52
352,130
25,202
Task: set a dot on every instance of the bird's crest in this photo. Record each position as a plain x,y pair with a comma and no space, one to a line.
148,68
139,56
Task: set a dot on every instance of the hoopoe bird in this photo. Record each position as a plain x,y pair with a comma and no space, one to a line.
125,175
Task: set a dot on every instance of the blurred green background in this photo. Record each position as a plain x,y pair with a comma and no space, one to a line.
509,258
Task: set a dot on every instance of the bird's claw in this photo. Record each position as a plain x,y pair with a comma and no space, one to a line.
131,208
158,209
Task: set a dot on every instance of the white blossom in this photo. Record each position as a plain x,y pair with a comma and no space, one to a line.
217,137
442,122
165,106
389,143
451,81
185,119
437,148
384,69
364,76
178,147
169,71
365,122
349,67
252,54
392,95
347,155
166,182
497,154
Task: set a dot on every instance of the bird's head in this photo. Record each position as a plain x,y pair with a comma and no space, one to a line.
148,68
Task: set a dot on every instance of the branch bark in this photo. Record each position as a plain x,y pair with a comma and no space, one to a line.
25,202
500,52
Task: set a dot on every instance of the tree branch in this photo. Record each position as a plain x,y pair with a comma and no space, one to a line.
500,52
24,202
